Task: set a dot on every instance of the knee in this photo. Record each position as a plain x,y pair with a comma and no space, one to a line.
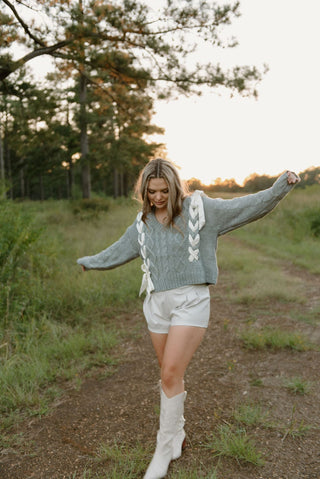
170,376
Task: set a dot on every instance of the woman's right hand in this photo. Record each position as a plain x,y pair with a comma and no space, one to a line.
83,268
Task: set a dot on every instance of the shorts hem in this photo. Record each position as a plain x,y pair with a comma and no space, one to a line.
153,330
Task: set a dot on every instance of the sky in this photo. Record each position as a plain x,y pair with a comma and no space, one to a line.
218,136
215,136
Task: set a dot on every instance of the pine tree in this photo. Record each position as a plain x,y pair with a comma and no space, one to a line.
126,43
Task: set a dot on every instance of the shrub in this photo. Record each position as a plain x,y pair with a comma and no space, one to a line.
18,234
86,209
315,225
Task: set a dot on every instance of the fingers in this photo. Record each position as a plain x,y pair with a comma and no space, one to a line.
293,178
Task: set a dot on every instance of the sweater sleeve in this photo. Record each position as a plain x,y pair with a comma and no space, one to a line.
228,215
120,252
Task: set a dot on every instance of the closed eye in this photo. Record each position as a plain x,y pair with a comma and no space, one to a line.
152,192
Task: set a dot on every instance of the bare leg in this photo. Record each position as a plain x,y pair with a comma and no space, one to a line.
174,352
159,344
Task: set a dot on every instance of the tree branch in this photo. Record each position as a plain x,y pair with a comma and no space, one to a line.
46,50
23,24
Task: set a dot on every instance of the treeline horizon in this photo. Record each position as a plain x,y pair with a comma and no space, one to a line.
88,128
253,182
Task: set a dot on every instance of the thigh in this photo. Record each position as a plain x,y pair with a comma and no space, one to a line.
180,346
159,343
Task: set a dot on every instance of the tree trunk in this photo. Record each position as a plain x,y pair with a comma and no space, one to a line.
41,188
22,183
115,183
9,169
2,173
125,185
85,163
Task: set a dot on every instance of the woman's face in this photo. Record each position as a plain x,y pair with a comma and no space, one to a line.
158,193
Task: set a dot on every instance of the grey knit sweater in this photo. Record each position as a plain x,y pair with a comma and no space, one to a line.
174,257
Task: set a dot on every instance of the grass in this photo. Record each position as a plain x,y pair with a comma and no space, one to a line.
124,461
235,443
250,414
295,428
62,352
120,460
253,415
297,385
58,322
287,233
272,338
196,474
311,317
257,277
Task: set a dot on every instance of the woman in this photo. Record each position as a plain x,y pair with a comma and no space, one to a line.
176,236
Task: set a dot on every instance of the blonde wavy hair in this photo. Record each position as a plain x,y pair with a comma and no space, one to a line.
160,168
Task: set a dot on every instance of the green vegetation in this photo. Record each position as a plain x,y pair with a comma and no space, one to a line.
195,474
235,443
125,462
57,322
295,427
269,248
50,310
310,317
90,122
275,339
291,232
250,414
298,385
122,461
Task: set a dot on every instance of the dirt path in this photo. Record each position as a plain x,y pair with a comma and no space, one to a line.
223,374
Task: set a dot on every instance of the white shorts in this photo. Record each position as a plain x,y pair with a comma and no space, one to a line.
185,306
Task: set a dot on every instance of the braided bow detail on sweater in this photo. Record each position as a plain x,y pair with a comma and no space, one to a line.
147,283
196,222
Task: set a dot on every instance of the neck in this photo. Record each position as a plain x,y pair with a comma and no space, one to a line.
161,215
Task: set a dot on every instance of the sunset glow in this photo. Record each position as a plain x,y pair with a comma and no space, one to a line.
218,136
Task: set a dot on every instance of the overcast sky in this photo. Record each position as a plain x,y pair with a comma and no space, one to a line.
218,136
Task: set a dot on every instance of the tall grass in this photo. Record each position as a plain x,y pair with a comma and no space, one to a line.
256,276
55,320
259,254
291,231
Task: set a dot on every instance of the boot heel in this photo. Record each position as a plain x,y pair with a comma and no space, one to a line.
184,445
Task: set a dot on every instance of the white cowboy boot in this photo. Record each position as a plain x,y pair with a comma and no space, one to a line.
178,442
171,411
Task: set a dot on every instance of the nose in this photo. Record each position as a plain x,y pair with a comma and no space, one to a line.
158,195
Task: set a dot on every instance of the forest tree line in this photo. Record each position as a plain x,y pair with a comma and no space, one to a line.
253,182
88,125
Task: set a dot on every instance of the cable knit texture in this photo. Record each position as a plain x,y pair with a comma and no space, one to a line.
186,254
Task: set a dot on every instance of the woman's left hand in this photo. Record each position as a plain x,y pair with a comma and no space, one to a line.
293,178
